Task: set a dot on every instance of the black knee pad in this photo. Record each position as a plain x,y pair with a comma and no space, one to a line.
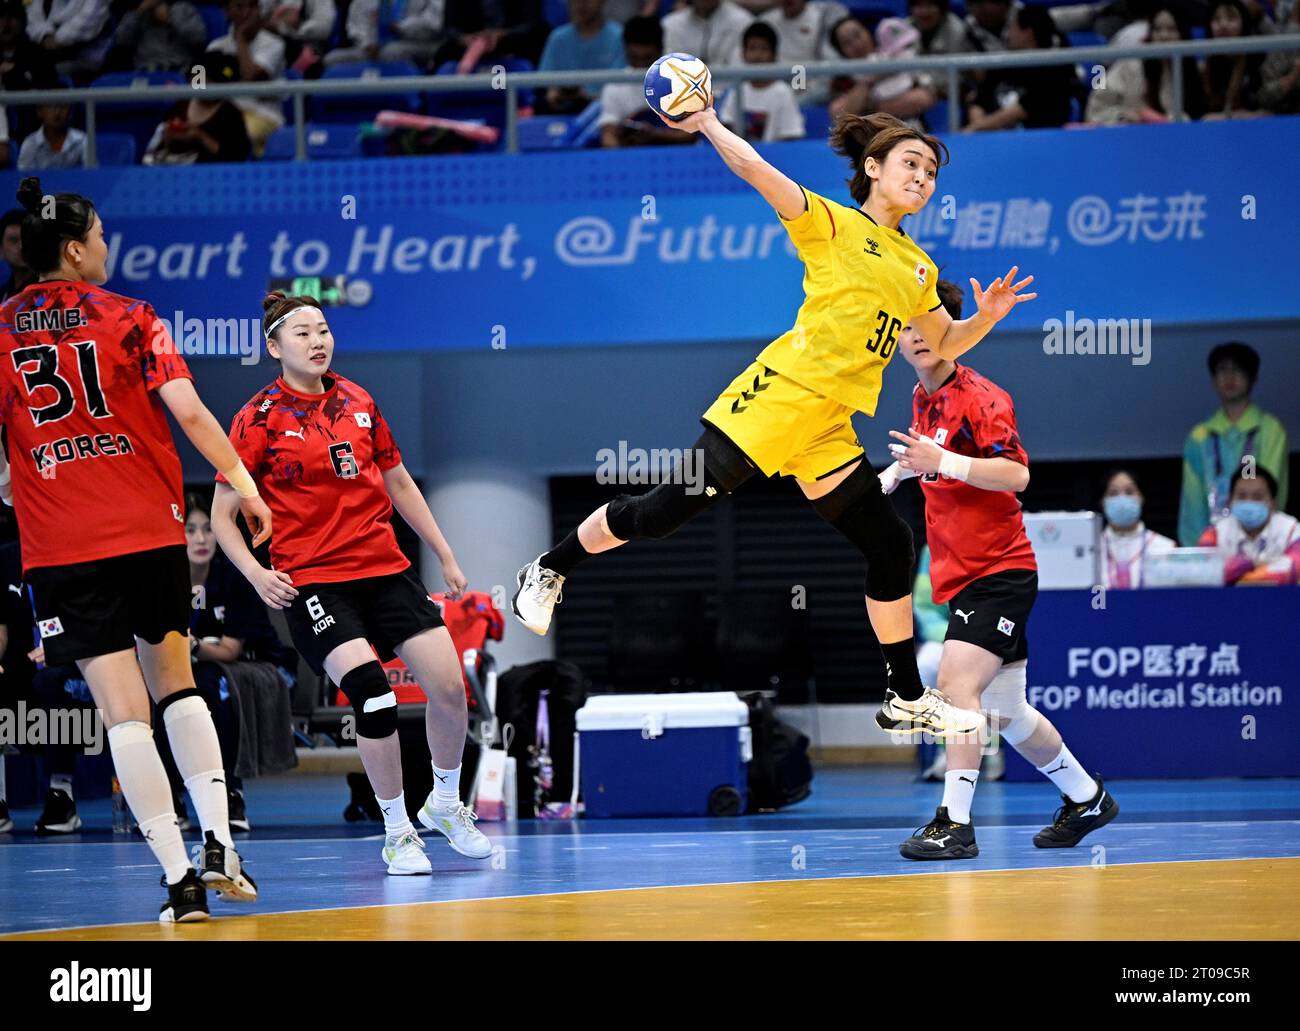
664,510
172,699
372,699
861,512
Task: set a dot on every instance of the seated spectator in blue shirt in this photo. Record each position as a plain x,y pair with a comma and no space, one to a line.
588,43
55,144
157,35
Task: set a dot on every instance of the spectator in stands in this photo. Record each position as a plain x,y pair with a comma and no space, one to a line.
942,32
159,35
1219,446
767,106
987,24
803,28
625,118
587,43
22,62
1279,92
1232,83
904,95
379,31
229,625
709,29
55,144
1028,98
11,242
1142,91
260,57
1126,542
1259,544
303,25
622,11
200,130
74,33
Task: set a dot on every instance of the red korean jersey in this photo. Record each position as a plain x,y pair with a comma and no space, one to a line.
95,471
317,460
971,532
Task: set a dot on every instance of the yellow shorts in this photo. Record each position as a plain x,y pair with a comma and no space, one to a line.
784,427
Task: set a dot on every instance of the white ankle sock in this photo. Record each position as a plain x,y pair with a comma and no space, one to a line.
1073,781
144,783
61,782
395,819
446,785
958,790
198,757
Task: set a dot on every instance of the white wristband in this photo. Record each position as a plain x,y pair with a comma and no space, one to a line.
238,477
955,466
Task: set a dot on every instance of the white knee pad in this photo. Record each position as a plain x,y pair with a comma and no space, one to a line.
1005,697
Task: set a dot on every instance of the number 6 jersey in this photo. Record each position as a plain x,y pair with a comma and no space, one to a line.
95,471
318,461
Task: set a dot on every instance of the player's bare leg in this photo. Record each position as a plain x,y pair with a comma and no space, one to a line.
431,656
120,695
188,724
909,707
382,758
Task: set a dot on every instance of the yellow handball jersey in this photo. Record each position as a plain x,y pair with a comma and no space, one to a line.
862,284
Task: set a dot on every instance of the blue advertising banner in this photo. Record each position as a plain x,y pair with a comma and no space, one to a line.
1169,683
1173,224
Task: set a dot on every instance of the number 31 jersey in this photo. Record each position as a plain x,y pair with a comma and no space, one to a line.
318,461
95,471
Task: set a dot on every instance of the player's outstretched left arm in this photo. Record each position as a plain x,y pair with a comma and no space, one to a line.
918,454
408,500
777,188
995,303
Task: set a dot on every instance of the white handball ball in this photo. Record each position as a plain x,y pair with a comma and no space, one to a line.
678,85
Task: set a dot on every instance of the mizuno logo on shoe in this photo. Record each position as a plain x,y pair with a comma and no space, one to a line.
1095,810
940,842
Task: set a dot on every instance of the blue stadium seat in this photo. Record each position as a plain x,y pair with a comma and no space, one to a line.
363,108
556,12
332,140
546,132
816,121
137,120
214,20
115,148
936,116
489,106
1086,39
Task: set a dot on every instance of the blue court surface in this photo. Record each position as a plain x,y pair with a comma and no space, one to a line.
306,858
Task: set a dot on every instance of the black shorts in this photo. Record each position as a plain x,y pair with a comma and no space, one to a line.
384,610
94,608
991,612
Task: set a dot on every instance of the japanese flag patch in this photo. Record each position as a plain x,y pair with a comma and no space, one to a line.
363,419
921,272
1005,626
51,627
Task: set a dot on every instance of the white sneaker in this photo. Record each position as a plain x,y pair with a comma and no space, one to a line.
404,854
456,821
540,590
931,712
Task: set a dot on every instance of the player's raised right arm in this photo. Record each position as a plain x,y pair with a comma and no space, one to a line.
206,434
777,188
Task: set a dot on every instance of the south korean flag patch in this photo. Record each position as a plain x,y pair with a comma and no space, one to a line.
363,419
51,627
921,273
1005,626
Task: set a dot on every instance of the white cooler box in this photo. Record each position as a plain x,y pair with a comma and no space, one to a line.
664,754
1066,547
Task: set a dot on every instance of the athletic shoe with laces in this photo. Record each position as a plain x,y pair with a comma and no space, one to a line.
237,811
6,824
456,822
941,838
404,854
223,871
1075,819
60,814
187,900
931,712
540,590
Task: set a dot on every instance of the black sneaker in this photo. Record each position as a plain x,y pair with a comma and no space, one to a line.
187,901
60,814
1075,819
941,838
235,807
6,824
223,872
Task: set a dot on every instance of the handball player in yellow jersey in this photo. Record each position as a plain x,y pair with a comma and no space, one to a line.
790,412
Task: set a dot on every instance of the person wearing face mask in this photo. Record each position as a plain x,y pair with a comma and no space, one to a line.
1259,544
1126,542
